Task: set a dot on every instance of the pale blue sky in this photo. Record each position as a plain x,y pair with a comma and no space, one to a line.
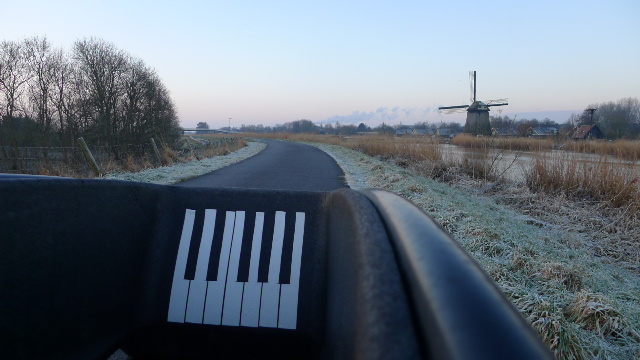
276,61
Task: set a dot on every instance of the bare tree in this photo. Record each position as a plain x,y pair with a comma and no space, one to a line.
134,102
40,64
98,92
102,67
13,77
63,97
620,119
162,111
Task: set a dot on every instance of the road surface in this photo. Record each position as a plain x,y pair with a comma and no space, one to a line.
282,165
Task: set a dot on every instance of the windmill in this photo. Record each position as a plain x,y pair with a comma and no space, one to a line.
477,113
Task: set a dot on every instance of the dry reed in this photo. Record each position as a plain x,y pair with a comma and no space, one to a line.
622,149
186,149
507,143
599,179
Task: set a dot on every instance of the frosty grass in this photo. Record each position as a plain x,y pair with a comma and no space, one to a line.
169,175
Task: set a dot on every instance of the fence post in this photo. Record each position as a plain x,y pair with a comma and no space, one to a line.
155,149
89,157
193,152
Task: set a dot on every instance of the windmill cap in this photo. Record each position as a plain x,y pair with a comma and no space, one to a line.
478,106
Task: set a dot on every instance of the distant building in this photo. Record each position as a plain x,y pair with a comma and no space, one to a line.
504,132
587,132
543,131
548,131
422,132
404,131
444,132
368,133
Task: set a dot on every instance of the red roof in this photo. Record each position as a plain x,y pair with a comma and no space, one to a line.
582,132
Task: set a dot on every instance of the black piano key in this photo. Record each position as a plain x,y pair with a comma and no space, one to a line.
194,246
287,248
265,250
247,243
216,246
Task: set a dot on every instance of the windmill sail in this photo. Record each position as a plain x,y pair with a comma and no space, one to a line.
472,86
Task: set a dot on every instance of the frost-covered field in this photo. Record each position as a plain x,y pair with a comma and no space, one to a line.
584,302
168,175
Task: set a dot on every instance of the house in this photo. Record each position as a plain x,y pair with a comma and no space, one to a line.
422,132
587,132
547,131
447,132
404,131
368,133
504,132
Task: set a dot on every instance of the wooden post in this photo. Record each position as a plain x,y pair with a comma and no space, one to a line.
155,149
90,160
193,152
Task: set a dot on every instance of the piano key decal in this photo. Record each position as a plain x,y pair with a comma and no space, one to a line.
228,297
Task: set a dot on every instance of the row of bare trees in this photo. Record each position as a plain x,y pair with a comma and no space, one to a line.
49,96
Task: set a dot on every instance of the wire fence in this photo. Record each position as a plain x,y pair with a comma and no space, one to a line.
71,161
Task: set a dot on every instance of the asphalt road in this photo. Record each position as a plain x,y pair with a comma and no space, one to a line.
282,165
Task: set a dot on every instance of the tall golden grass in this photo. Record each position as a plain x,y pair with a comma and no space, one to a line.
410,149
623,149
601,179
610,175
507,143
188,150
605,178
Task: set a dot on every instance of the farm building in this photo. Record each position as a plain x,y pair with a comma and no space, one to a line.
504,132
587,132
404,131
544,131
448,133
422,132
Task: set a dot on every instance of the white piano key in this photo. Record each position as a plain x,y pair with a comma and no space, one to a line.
253,289
213,306
269,305
215,289
195,305
256,247
276,248
270,299
198,287
180,286
288,314
233,291
208,231
251,304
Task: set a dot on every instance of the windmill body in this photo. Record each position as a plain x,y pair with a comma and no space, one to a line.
478,122
478,119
